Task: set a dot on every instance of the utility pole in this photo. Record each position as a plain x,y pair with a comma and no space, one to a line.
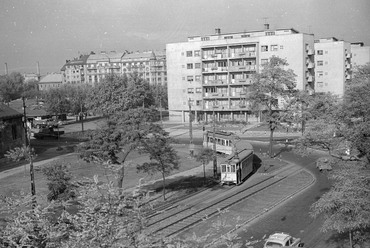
214,144
28,149
191,145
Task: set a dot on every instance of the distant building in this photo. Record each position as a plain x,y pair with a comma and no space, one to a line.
11,129
360,54
149,65
333,65
29,77
213,72
74,71
99,65
49,81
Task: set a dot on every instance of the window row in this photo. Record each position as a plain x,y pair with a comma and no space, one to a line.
273,48
197,90
190,53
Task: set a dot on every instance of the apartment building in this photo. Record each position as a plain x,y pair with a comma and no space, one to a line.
101,64
360,54
74,71
212,74
150,65
333,65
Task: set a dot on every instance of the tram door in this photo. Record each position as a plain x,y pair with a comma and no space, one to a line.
238,174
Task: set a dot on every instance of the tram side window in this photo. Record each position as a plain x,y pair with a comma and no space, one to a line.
223,168
232,167
223,142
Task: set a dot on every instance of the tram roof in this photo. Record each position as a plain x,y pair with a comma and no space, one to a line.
221,134
241,154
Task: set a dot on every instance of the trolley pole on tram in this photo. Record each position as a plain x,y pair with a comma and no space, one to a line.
214,145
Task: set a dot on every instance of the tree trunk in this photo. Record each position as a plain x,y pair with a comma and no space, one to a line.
121,175
271,139
350,239
164,186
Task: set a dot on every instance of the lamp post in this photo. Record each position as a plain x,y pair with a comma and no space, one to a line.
191,145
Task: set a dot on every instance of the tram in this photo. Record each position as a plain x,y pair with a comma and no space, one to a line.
237,166
223,140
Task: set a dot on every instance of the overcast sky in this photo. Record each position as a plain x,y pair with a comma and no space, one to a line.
51,31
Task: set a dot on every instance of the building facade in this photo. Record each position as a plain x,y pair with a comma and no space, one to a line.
360,54
333,65
49,81
74,71
212,74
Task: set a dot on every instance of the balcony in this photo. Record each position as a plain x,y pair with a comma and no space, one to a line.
348,55
310,51
214,69
241,81
242,68
215,82
214,56
243,55
310,65
348,66
310,78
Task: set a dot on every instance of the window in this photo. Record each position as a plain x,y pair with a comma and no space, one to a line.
264,48
189,66
320,52
264,61
270,33
198,102
228,37
320,74
245,35
274,47
198,90
281,47
204,38
190,78
197,78
189,53
183,78
320,84
320,63
197,65
196,53
190,90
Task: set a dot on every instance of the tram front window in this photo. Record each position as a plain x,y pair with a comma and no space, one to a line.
232,168
223,168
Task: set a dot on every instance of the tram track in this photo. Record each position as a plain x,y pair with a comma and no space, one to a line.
176,219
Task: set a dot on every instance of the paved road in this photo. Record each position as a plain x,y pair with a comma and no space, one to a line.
293,216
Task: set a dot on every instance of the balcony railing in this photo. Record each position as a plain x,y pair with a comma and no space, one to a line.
214,69
243,55
242,68
215,82
310,51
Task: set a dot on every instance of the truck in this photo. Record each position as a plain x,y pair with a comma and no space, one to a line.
47,132
278,240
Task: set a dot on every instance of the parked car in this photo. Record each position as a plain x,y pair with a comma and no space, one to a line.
278,240
47,132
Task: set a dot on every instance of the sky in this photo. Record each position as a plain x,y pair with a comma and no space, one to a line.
52,31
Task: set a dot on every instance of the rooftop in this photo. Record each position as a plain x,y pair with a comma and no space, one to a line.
52,78
7,112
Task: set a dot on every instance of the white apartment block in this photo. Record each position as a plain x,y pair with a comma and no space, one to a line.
333,65
360,54
74,71
212,74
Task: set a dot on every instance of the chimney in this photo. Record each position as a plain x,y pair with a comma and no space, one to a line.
38,68
218,31
6,68
267,26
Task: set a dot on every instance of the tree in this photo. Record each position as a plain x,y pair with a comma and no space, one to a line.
118,137
345,134
59,185
11,87
205,155
119,93
31,90
271,85
163,157
57,101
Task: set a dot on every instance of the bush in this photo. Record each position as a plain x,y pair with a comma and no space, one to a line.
59,185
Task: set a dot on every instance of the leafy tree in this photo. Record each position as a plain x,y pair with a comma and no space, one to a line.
11,87
344,133
271,85
31,90
114,141
119,93
59,185
57,101
163,157
205,155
